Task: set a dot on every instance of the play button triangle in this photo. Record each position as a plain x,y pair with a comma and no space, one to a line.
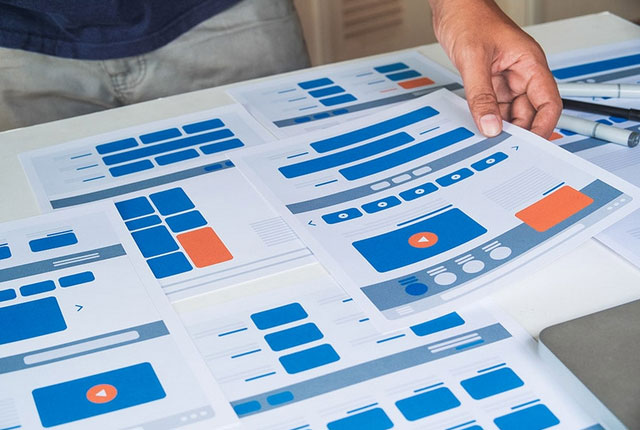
101,393
423,239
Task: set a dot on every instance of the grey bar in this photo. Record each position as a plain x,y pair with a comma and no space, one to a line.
373,369
365,190
185,418
369,105
140,185
590,142
46,266
520,239
145,331
605,77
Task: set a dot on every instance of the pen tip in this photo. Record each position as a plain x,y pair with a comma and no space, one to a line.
634,139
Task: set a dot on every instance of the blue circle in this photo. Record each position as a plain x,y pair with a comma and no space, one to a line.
416,289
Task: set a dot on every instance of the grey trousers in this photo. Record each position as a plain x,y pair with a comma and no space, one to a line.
254,38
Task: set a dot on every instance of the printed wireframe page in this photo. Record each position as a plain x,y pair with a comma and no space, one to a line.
330,95
197,222
296,352
618,63
87,339
412,208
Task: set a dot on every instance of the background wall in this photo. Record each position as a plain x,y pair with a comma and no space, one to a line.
342,29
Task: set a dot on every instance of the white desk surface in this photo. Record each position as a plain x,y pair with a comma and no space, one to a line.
588,279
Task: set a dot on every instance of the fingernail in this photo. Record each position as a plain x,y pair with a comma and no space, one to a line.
490,125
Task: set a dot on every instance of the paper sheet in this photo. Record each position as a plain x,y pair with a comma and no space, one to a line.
295,352
333,94
87,340
412,208
199,224
618,63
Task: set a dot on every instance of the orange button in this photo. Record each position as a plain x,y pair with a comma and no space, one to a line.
554,208
102,393
415,83
423,240
204,247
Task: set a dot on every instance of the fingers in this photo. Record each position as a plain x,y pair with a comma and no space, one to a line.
522,112
542,92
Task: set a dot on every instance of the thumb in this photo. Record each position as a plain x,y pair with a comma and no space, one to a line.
481,97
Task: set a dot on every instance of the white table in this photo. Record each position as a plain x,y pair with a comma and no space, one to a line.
588,279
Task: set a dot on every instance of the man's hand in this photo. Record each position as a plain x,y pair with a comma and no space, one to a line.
504,70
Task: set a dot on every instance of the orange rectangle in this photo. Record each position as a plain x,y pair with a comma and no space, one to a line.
204,247
554,208
555,136
414,83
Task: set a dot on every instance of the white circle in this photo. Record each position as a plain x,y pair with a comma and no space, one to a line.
343,215
490,161
446,278
382,204
420,191
500,253
473,266
455,177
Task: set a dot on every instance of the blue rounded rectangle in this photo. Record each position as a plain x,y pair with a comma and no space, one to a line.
279,316
401,76
380,205
426,404
171,201
280,398
418,191
373,419
436,325
76,279
134,208
69,401
307,85
247,407
5,252
492,383
328,91
197,127
332,101
344,215
222,146
388,68
8,294
169,265
157,136
147,221
176,157
185,221
31,319
53,242
294,336
489,161
37,288
454,177
118,145
536,417
154,241
392,250
127,169
309,358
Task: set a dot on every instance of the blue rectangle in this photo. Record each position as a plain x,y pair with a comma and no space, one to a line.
329,91
76,279
343,215
53,242
596,66
492,383
139,223
154,241
247,407
68,401
348,156
536,417
176,157
222,146
392,250
380,205
169,265
454,177
419,191
489,161
388,68
436,325
309,358
6,295
157,136
5,252
332,101
118,145
279,316
426,404
186,221
280,398
373,419
374,130
294,336
403,75
37,288
134,208
307,85
127,169
406,155
30,319
170,146
172,201
197,127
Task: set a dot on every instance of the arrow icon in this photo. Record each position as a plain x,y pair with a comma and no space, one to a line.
312,223
79,308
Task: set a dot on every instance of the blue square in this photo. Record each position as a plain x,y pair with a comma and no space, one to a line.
172,201
169,265
5,252
154,241
134,208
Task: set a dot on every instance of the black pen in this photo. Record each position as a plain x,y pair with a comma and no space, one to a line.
626,113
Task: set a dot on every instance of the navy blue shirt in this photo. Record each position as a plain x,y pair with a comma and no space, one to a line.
99,29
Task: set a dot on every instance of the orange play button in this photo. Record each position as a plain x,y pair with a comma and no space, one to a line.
102,393
423,240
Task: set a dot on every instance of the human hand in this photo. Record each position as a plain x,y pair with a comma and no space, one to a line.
504,71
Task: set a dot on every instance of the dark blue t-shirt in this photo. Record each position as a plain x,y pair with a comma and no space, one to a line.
102,29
